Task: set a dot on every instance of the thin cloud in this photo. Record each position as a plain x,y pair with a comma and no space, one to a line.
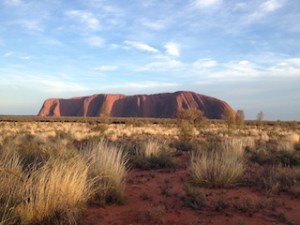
86,18
141,85
50,41
31,24
9,54
241,6
205,63
237,71
150,84
20,13
27,57
243,66
286,68
246,70
106,68
141,46
42,83
263,10
271,5
94,41
154,24
12,2
166,65
204,4
16,55
172,49
58,86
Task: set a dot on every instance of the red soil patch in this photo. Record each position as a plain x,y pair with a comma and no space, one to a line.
157,197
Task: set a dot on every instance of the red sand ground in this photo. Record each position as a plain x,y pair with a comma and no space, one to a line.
155,197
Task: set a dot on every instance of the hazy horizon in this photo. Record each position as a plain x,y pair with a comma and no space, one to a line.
246,53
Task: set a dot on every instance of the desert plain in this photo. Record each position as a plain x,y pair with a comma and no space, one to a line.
142,171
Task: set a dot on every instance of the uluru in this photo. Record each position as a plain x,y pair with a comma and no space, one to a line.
163,105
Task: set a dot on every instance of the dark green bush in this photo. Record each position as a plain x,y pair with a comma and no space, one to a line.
162,161
265,157
183,145
276,179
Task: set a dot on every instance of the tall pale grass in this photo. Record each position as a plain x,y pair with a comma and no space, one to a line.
56,188
219,167
11,173
7,206
107,168
150,148
10,161
285,146
56,192
234,146
10,180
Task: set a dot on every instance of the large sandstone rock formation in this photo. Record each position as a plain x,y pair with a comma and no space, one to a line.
163,105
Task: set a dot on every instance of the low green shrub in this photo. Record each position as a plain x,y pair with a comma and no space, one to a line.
186,145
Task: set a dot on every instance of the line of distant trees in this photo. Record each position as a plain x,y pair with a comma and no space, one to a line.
194,118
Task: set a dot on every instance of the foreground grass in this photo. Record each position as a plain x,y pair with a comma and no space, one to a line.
55,189
108,167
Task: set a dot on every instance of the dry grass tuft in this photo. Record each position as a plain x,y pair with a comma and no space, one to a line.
11,176
53,183
150,149
234,146
7,206
107,168
285,146
153,155
218,168
57,191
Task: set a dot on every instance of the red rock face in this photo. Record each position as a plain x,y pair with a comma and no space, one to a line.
164,105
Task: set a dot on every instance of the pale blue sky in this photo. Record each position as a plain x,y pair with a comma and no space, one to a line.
246,52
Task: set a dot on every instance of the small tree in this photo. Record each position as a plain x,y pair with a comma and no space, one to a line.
229,118
260,118
188,120
193,116
240,118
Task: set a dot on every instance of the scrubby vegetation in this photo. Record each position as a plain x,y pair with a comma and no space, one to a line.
276,179
50,186
52,171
